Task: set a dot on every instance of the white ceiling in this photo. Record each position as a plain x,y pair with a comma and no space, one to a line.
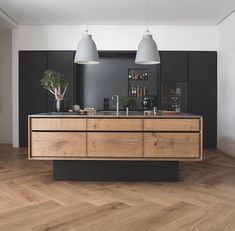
162,12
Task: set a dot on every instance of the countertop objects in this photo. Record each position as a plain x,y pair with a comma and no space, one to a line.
111,114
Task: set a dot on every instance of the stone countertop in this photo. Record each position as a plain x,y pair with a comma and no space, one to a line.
139,115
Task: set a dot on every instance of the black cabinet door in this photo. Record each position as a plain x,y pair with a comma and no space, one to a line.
63,62
203,92
32,97
174,66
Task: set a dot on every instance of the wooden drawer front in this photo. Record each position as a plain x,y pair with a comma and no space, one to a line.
114,145
58,144
114,124
164,145
171,125
58,124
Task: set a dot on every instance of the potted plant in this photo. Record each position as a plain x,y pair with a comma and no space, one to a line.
126,101
55,83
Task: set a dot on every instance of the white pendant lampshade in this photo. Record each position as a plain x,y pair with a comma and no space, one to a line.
86,51
147,52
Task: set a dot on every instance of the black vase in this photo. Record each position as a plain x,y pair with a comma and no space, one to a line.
61,105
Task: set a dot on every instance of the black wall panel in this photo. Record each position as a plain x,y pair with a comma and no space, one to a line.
174,66
110,76
203,92
32,97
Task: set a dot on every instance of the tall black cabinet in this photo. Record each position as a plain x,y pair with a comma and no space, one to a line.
197,71
203,92
33,98
174,80
174,66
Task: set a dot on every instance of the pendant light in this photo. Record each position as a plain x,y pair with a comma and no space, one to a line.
147,52
86,52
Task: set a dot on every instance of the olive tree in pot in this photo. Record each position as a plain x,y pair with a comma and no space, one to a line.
55,83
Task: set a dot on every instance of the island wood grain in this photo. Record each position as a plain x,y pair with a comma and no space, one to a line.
114,144
58,124
115,138
114,124
172,125
184,145
58,144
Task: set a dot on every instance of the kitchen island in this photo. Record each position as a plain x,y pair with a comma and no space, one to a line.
85,146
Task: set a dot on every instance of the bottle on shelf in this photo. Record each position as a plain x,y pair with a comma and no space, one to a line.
141,91
135,92
138,91
132,90
146,76
133,74
136,76
144,91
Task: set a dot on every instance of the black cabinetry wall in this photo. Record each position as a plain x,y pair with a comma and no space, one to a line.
174,66
33,98
90,84
198,69
203,92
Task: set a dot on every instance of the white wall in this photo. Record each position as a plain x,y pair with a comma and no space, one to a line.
106,38
116,37
5,87
226,86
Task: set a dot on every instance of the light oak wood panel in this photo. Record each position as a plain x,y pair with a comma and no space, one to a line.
58,144
29,136
114,145
171,124
178,145
58,124
117,145
114,124
201,138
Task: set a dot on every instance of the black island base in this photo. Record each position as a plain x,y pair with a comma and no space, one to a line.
93,170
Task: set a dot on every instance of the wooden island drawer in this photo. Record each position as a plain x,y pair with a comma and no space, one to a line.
171,124
58,144
172,145
58,124
114,124
112,144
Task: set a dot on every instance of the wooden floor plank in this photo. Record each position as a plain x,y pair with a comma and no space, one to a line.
203,199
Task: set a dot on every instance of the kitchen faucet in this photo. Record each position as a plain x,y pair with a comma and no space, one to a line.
117,103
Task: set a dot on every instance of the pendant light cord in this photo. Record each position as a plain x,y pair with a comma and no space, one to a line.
86,19
147,15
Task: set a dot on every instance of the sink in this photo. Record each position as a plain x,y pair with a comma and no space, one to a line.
120,113
61,113
106,113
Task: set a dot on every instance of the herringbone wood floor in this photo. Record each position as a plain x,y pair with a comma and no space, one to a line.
203,199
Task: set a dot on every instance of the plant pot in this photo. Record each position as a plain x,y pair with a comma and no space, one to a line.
61,105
